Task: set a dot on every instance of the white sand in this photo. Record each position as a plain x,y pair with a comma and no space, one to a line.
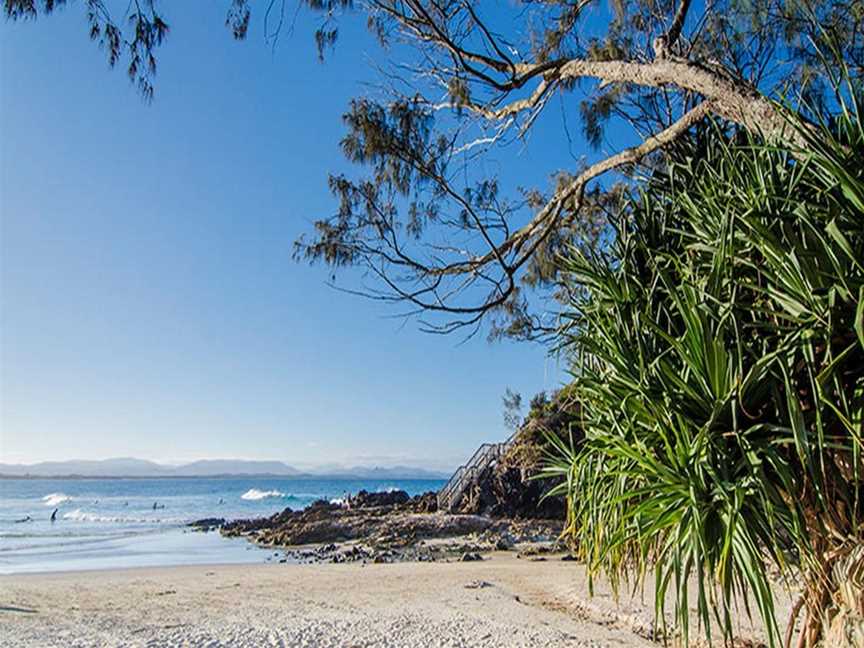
517,603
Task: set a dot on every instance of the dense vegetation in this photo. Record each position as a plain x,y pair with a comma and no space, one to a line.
556,414
718,359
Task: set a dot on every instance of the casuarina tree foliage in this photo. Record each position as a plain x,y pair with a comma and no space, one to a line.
466,78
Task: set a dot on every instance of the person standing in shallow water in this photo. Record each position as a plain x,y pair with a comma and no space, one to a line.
54,515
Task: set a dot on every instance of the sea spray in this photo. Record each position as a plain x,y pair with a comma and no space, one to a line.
56,499
255,494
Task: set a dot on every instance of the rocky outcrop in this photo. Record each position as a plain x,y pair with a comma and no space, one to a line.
364,515
391,525
510,488
507,491
207,524
365,499
386,527
425,503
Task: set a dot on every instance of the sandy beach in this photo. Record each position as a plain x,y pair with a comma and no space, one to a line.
501,601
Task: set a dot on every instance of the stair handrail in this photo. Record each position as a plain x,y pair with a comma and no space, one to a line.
485,454
461,470
481,455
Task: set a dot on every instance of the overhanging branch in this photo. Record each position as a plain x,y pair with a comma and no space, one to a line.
549,215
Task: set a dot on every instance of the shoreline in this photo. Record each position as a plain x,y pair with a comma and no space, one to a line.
105,524
152,548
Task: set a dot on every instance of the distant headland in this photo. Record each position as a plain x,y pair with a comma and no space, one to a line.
141,468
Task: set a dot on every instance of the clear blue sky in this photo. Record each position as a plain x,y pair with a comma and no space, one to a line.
150,306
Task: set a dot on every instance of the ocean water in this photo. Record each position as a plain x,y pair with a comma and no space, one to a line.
112,523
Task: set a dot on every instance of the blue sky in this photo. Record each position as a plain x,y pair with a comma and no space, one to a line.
149,305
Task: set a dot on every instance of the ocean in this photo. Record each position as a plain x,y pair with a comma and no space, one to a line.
117,523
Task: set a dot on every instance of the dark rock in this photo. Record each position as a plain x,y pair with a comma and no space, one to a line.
383,526
537,549
470,557
323,505
207,524
568,557
245,527
511,492
425,503
364,499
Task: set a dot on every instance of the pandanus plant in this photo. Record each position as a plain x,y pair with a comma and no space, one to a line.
717,349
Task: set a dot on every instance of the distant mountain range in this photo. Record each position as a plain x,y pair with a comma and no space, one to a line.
129,467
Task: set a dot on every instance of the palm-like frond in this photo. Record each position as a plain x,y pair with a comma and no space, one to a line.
718,351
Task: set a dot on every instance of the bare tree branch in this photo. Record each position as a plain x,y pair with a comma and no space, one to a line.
574,190
664,43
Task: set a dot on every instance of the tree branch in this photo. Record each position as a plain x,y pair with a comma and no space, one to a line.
663,44
574,190
733,100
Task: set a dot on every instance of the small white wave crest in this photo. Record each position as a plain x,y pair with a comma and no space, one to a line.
83,516
255,494
55,499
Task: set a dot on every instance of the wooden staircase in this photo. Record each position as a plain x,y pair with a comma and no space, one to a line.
468,474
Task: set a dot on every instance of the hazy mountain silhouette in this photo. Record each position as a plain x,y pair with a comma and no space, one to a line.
130,467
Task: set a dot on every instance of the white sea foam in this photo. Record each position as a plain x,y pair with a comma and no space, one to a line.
56,499
83,516
255,494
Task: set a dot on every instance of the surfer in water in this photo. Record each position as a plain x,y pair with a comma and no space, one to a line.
54,515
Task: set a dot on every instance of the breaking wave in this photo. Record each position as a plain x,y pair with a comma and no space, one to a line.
255,494
55,499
